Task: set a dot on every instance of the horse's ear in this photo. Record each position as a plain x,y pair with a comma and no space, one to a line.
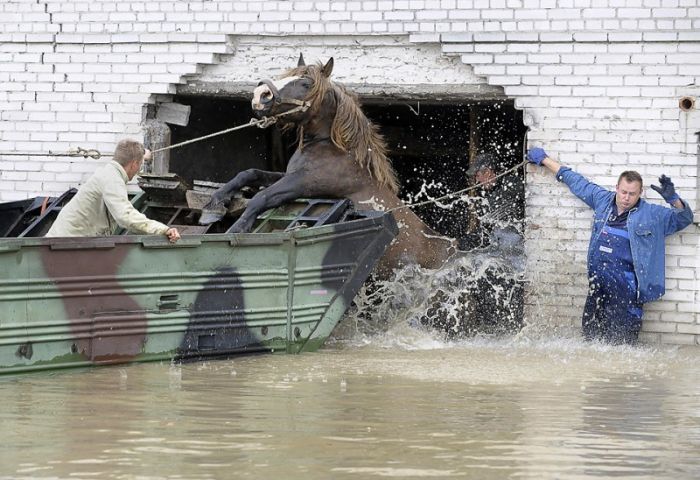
301,62
328,68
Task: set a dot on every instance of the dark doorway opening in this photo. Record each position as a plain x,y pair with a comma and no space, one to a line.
431,145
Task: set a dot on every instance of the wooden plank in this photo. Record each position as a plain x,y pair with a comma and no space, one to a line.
174,113
203,185
197,200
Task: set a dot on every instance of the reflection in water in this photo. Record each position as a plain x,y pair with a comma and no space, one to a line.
477,408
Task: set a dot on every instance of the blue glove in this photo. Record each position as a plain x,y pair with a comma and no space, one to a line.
666,190
536,155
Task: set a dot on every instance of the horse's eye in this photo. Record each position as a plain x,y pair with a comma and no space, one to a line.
305,82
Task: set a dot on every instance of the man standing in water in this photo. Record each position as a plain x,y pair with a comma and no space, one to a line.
626,251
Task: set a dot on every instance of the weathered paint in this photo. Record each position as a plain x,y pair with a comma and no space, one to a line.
68,302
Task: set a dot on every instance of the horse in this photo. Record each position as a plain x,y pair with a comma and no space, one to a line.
340,154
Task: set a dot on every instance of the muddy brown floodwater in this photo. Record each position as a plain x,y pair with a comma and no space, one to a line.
382,408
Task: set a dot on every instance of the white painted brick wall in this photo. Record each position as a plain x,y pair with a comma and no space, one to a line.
599,82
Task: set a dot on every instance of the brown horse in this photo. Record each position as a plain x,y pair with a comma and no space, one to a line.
340,154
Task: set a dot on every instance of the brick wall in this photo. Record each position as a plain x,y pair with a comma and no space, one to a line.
599,82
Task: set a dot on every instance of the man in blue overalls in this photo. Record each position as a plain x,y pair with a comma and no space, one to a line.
626,253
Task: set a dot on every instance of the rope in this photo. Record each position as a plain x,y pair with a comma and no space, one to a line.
459,192
93,153
77,152
260,123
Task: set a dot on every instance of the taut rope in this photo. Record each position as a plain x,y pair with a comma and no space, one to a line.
459,192
76,152
93,153
260,123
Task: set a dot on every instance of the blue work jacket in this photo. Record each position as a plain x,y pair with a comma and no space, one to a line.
647,224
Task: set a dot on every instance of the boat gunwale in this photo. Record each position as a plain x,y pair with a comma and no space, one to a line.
372,220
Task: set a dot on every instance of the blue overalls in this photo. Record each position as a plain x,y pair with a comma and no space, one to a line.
613,312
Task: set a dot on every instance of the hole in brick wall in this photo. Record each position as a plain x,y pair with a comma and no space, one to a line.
428,142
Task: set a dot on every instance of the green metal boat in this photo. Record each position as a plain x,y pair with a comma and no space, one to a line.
74,302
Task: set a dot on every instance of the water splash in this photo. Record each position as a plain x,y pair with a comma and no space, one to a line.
422,310
477,293
474,294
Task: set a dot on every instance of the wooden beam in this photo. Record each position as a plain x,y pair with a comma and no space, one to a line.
157,135
174,113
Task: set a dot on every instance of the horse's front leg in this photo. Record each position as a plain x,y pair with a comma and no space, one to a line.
214,209
287,188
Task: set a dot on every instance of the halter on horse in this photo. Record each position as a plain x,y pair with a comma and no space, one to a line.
340,154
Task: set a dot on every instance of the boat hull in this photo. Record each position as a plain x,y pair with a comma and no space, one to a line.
73,302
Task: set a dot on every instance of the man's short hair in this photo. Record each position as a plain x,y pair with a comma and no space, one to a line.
631,176
127,151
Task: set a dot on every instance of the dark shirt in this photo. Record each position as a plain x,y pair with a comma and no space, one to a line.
619,221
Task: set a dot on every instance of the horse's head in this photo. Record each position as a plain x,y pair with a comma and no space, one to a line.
303,86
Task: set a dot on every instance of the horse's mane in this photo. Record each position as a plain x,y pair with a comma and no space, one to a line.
351,130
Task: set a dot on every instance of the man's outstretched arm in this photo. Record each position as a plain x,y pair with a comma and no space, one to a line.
579,185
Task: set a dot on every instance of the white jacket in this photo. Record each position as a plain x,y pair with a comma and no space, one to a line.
100,205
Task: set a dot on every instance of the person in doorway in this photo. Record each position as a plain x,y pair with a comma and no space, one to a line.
497,303
498,206
626,251
102,203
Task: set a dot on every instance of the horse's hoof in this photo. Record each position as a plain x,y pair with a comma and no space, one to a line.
210,216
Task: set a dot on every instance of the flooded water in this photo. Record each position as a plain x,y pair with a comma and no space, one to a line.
386,397
376,407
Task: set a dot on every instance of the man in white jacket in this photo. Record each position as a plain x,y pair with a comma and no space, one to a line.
102,203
